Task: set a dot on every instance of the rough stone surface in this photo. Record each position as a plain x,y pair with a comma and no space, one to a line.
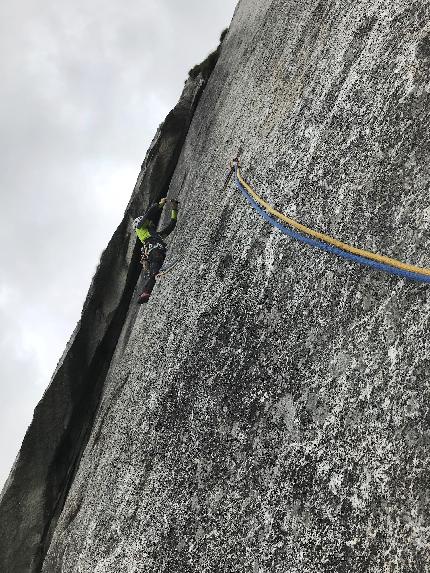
268,409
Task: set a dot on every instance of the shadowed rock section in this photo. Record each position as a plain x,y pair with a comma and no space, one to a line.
34,494
267,410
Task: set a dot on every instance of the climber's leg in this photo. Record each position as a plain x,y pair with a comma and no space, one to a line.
155,261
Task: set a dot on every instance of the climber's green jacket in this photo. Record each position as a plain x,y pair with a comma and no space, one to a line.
145,226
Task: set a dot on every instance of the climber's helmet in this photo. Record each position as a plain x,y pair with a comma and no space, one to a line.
137,221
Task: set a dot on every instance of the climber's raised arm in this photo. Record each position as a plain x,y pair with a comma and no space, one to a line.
151,216
173,219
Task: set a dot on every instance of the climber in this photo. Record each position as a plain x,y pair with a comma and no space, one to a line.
154,247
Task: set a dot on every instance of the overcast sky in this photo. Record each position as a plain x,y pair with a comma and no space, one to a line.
84,85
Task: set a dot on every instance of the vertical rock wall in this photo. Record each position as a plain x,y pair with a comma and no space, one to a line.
270,410
267,410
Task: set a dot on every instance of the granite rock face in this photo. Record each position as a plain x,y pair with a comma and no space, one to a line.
268,409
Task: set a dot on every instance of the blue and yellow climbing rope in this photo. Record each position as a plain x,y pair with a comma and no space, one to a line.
323,241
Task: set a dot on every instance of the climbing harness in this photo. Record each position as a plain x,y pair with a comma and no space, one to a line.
148,247
145,251
325,242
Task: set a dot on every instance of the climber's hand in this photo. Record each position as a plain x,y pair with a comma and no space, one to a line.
162,201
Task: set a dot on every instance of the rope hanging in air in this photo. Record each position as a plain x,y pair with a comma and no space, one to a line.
323,241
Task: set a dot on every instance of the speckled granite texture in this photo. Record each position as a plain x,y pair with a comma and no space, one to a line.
268,410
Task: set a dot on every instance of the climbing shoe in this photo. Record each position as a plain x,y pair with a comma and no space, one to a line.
144,297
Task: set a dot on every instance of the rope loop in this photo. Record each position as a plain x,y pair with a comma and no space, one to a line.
325,242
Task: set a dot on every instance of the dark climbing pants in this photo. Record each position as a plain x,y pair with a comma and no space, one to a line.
155,259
